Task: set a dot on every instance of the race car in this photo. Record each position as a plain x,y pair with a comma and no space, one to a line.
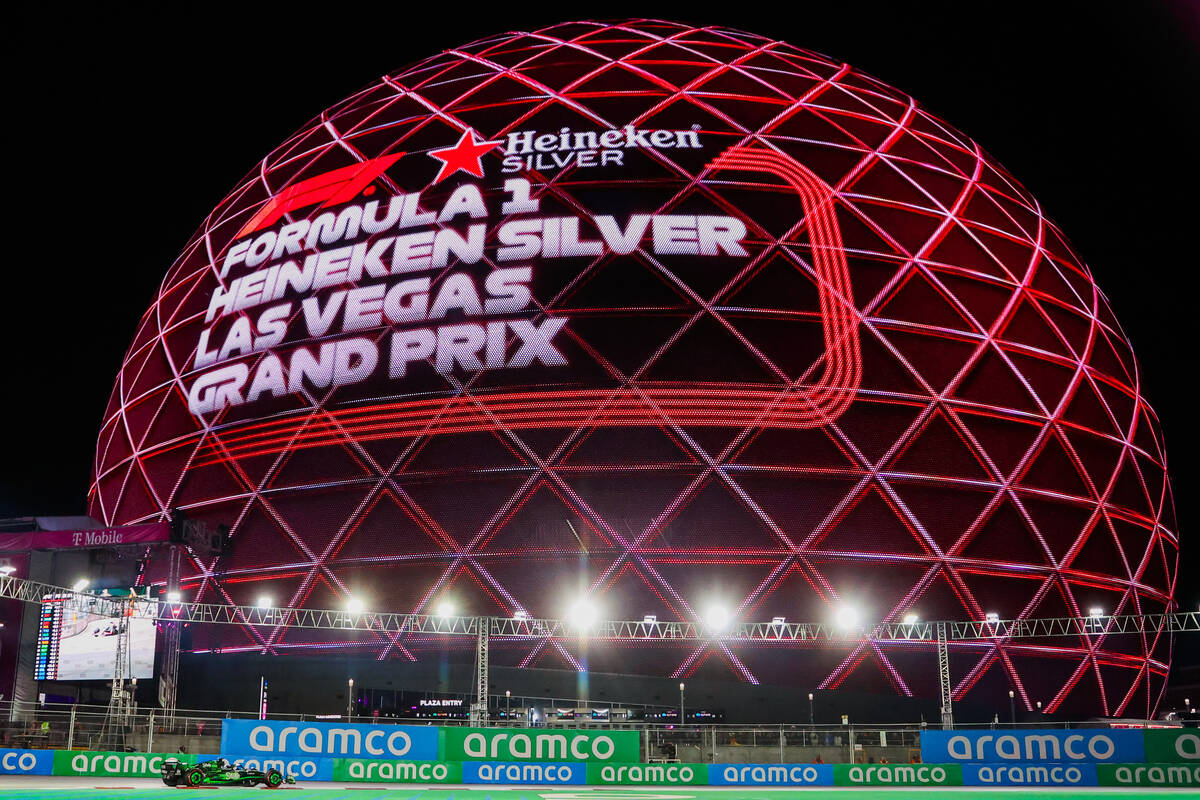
219,772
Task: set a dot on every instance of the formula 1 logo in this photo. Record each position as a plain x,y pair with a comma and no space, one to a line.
329,188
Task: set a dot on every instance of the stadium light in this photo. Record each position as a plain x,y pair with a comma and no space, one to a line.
991,616
582,614
264,601
174,597
1095,613
846,617
716,617
355,606
911,618
446,609
80,585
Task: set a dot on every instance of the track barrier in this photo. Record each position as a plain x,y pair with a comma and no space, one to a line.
321,751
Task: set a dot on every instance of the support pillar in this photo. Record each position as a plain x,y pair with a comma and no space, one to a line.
943,653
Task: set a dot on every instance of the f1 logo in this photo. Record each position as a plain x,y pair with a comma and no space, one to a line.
330,188
834,390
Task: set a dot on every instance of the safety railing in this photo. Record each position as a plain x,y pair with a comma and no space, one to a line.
89,727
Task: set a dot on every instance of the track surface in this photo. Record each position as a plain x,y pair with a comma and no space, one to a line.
43,788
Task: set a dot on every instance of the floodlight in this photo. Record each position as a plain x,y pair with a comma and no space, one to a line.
7,569
174,597
80,585
446,609
992,616
778,620
716,617
650,619
910,618
846,617
520,613
1095,612
355,606
582,614
265,601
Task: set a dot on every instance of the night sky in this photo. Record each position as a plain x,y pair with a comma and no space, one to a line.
126,126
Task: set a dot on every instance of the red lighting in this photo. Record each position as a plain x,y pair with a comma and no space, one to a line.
788,340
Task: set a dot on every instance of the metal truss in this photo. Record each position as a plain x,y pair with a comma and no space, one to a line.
531,628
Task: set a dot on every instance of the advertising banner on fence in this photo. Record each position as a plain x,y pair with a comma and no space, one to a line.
770,774
1149,774
328,739
392,771
123,765
26,762
1181,744
897,775
991,747
646,774
498,744
524,772
302,769
1082,774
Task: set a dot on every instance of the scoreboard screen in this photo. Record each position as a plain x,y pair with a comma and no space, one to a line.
77,642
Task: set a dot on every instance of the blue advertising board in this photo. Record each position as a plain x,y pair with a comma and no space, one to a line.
770,775
26,762
312,740
1077,774
529,772
301,768
1091,745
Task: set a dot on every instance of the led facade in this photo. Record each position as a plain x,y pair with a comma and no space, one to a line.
668,320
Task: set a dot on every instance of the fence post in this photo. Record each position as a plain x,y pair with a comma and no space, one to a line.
71,728
150,734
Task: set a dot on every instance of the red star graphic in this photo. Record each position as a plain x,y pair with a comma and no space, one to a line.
465,156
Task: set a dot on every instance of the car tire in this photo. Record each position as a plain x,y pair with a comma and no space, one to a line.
274,778
194,776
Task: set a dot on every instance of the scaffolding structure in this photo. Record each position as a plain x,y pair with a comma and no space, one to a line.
173,613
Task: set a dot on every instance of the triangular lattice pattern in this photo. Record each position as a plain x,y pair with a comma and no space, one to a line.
997,456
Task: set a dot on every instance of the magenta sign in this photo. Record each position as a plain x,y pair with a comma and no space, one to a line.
94,537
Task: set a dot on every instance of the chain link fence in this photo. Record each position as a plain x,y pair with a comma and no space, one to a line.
84,727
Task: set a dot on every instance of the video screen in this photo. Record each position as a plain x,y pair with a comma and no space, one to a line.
78,639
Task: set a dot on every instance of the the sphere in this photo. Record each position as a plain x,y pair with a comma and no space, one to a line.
638,318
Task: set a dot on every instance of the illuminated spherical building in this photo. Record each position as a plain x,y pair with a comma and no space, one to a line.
670,319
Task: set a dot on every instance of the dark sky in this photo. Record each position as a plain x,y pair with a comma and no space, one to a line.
128,125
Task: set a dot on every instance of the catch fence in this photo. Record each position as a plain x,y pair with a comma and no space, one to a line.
53,726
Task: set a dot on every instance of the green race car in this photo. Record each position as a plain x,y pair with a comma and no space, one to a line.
219,772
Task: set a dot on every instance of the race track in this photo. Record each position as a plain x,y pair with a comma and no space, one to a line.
59,788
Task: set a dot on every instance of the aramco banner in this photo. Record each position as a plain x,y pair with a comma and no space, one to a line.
1149,774
109,764
607,774
498,744
264,738
302,769
1165,746
1094,745
26,762
393,771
